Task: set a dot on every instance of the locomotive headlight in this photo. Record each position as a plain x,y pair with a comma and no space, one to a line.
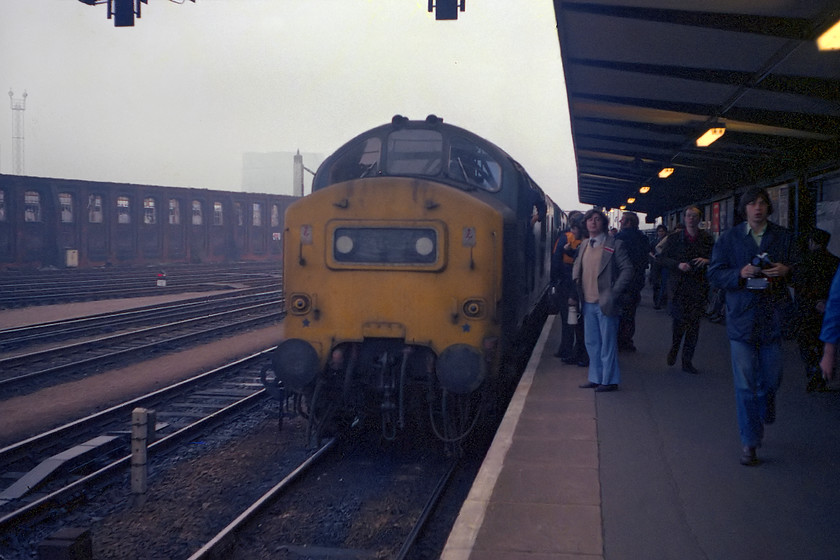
299,304
424,246
344,244
474,308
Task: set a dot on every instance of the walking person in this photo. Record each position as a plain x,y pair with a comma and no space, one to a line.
637,247
601,273
658,274
686,255
751,262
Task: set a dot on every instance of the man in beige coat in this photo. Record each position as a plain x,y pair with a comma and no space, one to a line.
602,272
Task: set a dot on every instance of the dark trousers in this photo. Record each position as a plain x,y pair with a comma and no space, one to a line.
627,318
572,346
686,326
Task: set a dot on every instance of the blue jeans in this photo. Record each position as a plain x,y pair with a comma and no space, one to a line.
601,336
757,371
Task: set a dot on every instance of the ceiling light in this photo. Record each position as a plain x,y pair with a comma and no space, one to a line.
644,189
622,207
666,172
711,135
830,40
631,200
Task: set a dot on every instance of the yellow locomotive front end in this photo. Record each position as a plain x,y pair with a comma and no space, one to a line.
392,290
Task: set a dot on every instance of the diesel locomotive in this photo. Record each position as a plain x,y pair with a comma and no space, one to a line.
413,274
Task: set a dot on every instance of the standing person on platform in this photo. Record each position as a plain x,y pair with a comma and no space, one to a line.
658,274
637,247
811,282
572,349
686,255
751,262
602,271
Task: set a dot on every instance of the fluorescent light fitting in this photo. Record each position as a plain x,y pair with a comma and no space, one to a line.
631,200
666,172
830,40
644,189
622,207
710,136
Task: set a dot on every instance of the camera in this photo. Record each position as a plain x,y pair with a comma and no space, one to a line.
761,260
762,283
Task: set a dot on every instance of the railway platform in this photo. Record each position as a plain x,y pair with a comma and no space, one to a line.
652,472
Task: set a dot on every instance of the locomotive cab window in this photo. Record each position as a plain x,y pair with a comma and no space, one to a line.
32,206
414,152
362,160
472,164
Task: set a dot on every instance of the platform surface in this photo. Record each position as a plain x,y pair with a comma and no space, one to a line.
652,471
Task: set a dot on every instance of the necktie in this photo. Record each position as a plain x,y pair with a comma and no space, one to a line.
591,242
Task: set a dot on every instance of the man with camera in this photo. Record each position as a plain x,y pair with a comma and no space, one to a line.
752,262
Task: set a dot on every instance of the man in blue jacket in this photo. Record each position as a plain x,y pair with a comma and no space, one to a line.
751,262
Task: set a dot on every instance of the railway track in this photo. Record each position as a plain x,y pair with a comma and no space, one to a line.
95,446
51,332
23,372
345,505
52,287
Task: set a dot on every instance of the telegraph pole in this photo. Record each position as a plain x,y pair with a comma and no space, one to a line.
18,159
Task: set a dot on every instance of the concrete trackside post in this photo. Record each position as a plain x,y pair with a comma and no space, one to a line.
139,445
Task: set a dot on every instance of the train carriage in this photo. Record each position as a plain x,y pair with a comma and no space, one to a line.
412,274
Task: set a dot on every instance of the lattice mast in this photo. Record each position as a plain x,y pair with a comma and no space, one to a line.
18,139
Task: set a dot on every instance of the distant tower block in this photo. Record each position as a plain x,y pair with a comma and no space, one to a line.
18,154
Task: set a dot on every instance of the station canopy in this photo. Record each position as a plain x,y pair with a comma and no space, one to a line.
646,78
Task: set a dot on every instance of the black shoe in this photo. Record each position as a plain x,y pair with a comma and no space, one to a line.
589,385
688,368
748,457
568,360
606,388
672,355
583,363
627,348
770,410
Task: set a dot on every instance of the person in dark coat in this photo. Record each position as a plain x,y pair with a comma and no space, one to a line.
812,281
638,248
686,255
752,262
572,348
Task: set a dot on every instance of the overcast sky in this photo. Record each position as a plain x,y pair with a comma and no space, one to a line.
178,98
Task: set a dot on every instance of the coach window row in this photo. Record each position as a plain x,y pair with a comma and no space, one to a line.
33,211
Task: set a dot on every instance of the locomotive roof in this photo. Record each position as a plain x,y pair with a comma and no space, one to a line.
450,134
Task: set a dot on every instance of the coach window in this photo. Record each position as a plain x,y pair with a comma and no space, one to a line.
174,212
95,209
149,211
31,206
2,205
123,210
414,152
275,215
196,213
257,214
65,200
218,214
237,210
